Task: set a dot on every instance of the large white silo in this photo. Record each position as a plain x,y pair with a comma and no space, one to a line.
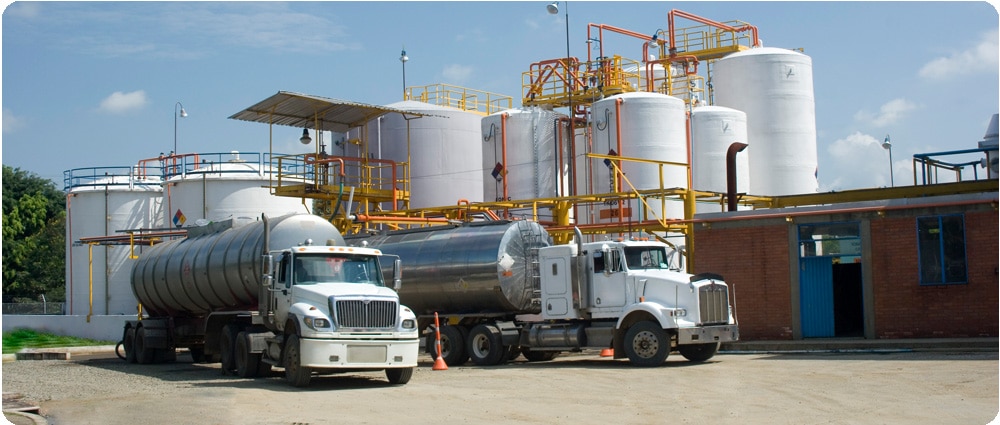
104,201
639,125
445,155
774,87
525,155
218,186
713,130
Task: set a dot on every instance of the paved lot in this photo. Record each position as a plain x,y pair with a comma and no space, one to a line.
815,388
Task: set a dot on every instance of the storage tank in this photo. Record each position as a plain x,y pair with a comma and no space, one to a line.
774,87
102,201
528,151
217,186
218,266
445,155
638,125
713,130
482,267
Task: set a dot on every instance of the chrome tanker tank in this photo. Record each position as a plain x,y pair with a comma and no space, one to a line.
485,267
218,266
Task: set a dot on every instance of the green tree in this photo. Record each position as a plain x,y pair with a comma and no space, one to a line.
34,235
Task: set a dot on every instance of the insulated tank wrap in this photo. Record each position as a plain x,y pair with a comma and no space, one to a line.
488,267
218,267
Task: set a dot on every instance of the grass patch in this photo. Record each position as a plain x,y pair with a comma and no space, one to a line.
27,338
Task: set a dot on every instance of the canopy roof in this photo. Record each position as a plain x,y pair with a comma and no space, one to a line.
308,111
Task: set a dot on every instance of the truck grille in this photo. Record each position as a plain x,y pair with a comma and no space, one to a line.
713,303
366,314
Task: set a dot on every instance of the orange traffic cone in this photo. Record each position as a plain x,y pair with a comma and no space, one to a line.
439,363
608,352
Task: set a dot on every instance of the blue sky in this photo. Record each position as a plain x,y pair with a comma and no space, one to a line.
93,84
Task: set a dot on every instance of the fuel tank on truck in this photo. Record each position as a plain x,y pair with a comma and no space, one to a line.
482,267
218,267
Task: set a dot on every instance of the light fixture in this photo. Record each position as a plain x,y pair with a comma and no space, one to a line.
888,146
553,8
305,139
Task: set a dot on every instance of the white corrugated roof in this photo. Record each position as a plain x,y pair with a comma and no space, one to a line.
308,111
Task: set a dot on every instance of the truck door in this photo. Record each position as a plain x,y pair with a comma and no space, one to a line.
281,293
609,280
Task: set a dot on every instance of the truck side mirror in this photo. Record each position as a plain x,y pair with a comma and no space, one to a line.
397,274
267,268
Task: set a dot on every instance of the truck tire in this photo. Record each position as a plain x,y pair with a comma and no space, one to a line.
296,374
699,352
247,363
647,344
197,353
485,346
452,345
227,348
399,376
539,356
129,345
143,354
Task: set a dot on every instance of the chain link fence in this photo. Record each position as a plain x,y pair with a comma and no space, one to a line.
34,308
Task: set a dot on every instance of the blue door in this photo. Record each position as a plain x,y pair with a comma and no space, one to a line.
816,296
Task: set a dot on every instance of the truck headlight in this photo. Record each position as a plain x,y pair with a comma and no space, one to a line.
409,324
315,323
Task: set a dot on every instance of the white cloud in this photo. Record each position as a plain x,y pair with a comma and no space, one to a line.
27,10
983,57
118,102
11,122
459,74
854,162
890,113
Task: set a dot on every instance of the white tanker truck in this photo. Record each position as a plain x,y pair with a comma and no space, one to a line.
262,294
501,290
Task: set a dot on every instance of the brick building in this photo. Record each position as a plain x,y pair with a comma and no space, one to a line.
909,267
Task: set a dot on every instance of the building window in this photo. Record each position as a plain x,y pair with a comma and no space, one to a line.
941,246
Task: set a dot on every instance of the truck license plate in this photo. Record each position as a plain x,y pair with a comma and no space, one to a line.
366,354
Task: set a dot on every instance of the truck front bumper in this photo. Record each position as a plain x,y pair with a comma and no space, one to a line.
358,354
708,334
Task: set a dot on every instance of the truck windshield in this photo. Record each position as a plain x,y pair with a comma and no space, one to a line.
322,268
645,257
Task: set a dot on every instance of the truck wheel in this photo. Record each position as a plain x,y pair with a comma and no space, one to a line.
486,346
143,355
452,345
647,344
699,352
539,356
399,376
129,345
227,342
197,353
247,363
296,374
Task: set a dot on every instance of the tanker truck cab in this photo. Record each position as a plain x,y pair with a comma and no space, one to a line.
634,302
331,309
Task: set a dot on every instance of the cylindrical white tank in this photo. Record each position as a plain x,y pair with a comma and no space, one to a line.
445,155
224,186
522,150
638,125
102,201
774,87
713,130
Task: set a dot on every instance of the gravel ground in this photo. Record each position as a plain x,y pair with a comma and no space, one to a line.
816,388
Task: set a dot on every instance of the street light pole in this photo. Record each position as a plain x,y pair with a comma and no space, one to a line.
403,58
888,146
182,114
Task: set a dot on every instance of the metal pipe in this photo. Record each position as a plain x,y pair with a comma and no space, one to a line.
731,173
